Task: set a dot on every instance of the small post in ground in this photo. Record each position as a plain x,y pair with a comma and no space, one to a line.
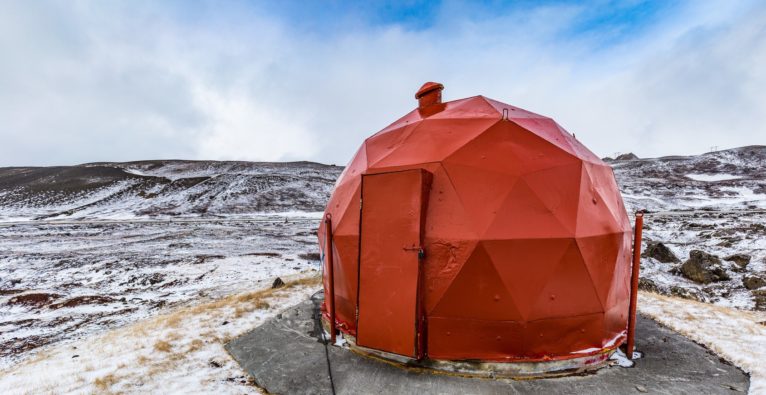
634,284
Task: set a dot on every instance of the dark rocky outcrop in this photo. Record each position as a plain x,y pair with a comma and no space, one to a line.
740,260
646,284
38,299
686,293
753,282
310,256
83,300
628,156
278,283
703,268
760,299
660,252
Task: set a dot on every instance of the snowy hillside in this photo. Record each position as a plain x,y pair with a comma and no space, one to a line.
733,179
704,233
154,189
723,180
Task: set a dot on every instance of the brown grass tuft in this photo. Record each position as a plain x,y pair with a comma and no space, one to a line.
308,281
105,383
195,345
162,346
173,320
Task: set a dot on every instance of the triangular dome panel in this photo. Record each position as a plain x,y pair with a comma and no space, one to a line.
355,167
513,111
525,266
600,255
453,222
569,290
444,260
481,192
556,189
508,148
477,292
435,140
547,129
409,119
472,107
348,223
594,214
603,181
524,216
345,257
382,144
580,150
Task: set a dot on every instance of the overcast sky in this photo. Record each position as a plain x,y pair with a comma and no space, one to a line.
116,81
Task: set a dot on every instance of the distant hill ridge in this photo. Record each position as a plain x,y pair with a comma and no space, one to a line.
163,188
731,179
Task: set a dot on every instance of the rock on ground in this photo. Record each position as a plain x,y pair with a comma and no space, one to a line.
703,268
660,252
741,260
753,282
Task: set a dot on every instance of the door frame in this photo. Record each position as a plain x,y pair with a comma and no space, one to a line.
420,316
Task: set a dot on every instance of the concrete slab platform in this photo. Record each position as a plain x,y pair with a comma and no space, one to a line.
287,356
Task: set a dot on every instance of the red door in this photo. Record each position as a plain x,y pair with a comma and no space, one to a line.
391,236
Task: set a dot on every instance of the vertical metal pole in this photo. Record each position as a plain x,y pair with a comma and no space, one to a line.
634,284
331,276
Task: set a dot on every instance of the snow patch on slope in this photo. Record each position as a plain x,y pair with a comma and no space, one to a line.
734,335
712,177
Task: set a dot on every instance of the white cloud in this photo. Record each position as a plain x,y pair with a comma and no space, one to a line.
124,81
239,128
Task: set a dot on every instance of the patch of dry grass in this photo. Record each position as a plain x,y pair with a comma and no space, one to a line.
229,307
755,316
172,341
162,346
105,383
173,321
195,345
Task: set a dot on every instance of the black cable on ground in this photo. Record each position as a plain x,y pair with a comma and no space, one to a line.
318,324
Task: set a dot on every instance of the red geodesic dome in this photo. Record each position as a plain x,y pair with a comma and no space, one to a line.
477,230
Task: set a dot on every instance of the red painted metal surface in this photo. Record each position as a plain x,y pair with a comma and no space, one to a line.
330,276
634,284
430,99
527,241
393,211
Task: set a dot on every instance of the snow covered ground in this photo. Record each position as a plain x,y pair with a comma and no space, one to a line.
723,233
712,177
715,203
62,281
180,351
735,335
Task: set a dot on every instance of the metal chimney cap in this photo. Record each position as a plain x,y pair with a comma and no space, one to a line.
427,88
